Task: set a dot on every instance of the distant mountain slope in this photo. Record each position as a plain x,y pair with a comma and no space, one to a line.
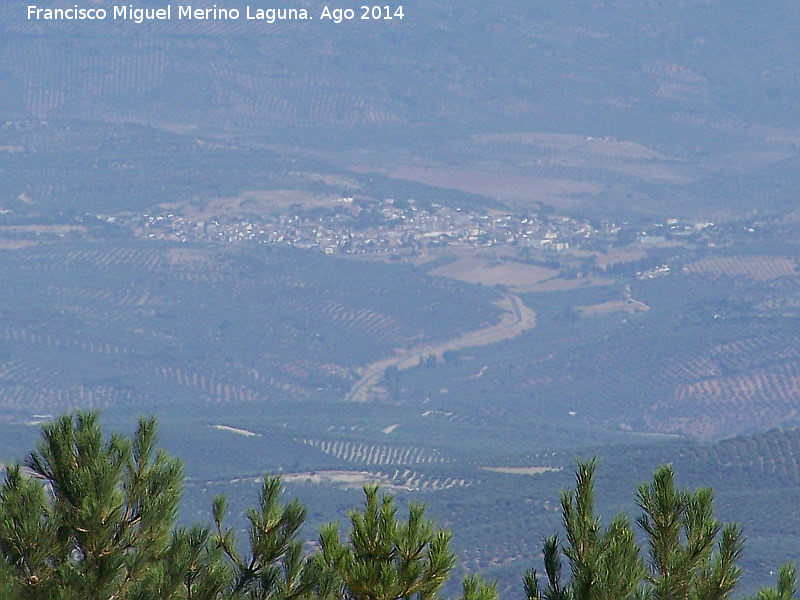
704,90
620,68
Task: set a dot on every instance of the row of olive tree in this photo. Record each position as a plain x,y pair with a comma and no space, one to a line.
95,518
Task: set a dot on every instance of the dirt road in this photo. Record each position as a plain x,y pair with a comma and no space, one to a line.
517,319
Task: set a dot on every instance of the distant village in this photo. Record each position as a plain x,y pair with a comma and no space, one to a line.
403,228
351,226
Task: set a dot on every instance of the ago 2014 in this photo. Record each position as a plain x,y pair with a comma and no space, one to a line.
368,13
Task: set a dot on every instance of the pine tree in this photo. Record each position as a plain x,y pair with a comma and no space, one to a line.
691,555
686,560
192,568
786,588
604,563
385,558
28,539
276,568
92,517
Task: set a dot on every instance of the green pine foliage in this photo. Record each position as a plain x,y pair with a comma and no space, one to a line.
90,517
276,567
604,562
786,588
691,556
385,558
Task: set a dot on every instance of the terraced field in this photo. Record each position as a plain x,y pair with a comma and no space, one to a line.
756,268
377,455
776,452
147,324
749,401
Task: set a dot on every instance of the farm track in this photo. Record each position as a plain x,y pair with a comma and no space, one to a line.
517,320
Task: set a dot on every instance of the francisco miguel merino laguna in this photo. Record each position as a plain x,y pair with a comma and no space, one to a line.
139,15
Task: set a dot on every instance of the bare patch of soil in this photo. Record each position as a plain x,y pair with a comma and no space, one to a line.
522,470
347,479
476,270
518,188
236,430
612,306
255,202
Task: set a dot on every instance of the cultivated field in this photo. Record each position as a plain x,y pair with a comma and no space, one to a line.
757,268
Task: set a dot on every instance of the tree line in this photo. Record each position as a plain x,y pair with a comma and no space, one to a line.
88,518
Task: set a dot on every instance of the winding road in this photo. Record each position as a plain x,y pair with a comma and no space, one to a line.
517,319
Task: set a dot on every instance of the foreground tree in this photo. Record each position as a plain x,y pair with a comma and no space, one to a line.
28,539
276,567
105,517
192,568
604,562
92,519
691,555
385,558
786,588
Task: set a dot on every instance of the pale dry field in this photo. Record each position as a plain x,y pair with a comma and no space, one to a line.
41,229
569,142
236,430
522,470
511,187
517,277
613,255
560,285
254,202
347,479
478,270
15,245
38,230
611,306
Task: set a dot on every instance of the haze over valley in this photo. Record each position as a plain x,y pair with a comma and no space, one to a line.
448,252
